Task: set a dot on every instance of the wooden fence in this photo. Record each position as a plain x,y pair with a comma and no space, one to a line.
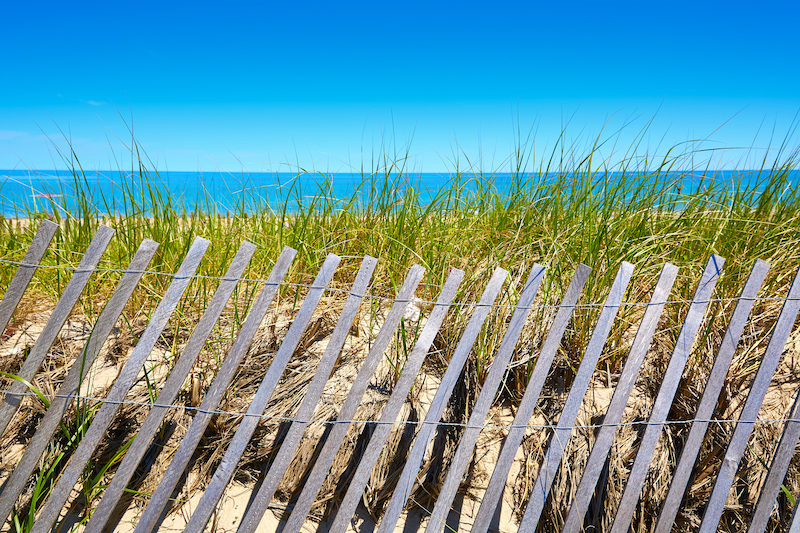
99,521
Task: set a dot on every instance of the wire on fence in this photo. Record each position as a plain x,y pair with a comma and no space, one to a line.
392,300
638,423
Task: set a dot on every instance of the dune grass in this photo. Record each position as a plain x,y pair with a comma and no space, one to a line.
573,206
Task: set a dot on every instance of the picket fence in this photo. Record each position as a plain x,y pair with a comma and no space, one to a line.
149,520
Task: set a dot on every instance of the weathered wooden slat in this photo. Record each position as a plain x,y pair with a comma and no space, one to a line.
394,405
24,274
352,401
777,470
461,459
172,387
758,390
426,431
219,386
580,384
714,384
794,527
512,442
62,310
105,414
224,472
283,458
58,406
663,401
619,400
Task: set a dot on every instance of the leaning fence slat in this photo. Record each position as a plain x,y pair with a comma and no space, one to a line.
58,406
669,385
102,419
394,405
425,434
62,310
794,527
466,445
777,470
619,400
172,387
758,390
580,384
283,458
708,401
224,472
512,442
25,271
219,386
337,434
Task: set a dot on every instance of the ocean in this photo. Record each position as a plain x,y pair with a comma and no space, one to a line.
112,192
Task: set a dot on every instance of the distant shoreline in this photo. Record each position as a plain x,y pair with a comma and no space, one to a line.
115,192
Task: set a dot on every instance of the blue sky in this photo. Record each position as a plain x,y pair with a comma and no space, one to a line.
326,86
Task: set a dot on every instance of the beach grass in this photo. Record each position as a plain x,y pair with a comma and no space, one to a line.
573,205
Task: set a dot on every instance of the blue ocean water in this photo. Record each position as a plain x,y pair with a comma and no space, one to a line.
23,192
111,192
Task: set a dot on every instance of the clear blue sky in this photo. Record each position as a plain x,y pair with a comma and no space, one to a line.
259,85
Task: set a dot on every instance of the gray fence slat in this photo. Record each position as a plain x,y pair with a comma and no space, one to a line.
177,376
58,406
480,411
708,401
619,400
370,456
794,527
24,274
777,470
352,401
62,310
555,450
494,491
744,426
104,416
224,472
669,384
426,431
215,393
283,458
